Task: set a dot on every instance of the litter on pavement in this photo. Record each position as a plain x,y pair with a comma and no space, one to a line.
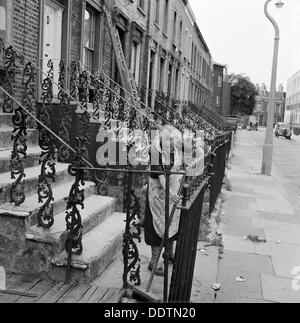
240,279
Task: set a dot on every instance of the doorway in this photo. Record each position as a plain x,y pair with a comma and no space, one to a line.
52,39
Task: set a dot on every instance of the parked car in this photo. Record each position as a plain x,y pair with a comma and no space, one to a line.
283,130
253,126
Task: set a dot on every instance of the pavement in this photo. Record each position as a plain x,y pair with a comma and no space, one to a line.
260,261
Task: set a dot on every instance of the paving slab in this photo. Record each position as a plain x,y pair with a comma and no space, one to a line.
280,290
284,266
278,206
238,244
279,217
278,250
230,288
275,225
237,220
241,189
244,262
283,237
239,231
206,272
240,201
239,212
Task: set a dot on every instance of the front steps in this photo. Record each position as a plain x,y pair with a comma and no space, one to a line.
6,142
101,247
28,249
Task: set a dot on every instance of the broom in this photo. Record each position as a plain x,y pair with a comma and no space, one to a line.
145,294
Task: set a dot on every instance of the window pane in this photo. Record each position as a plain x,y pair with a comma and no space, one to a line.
2,15
88,59
89,30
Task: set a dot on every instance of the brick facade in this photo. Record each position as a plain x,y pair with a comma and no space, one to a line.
25,27
180,52
154,34
222,90
262,102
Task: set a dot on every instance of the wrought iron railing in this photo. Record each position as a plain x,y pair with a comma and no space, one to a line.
97,98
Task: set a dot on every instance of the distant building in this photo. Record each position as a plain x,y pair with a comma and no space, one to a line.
262,102
222,90
292,113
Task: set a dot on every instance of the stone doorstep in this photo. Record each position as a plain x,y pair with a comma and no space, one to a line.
101,246
97,210
6,139
32,159
30,207
31,180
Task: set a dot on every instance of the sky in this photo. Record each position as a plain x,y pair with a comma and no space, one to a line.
240,36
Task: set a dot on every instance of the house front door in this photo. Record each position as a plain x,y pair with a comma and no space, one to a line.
52,38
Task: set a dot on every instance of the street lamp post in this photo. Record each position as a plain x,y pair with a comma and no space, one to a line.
268,145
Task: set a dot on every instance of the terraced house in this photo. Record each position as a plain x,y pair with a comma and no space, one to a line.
70,69
292,113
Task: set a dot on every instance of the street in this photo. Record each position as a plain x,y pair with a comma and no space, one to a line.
286,162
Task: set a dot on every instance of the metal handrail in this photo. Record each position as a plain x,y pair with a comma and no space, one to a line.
206,113
43,125
131,95
201,120
142,103
53,82
200,117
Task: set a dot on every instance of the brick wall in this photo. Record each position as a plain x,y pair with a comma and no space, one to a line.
76,22
25,29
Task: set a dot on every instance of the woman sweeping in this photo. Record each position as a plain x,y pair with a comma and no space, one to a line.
175,157
167,157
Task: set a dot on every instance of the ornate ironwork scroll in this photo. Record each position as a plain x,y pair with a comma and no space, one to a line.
28,82
76,199
131,275
10,58
84,117
20,122
105,102
115,105
48,156
64,153
17,192
74,80
97,96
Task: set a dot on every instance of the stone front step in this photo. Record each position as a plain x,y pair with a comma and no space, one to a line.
97,209
7,143
33,155
29,209
6,120
31,180
101,246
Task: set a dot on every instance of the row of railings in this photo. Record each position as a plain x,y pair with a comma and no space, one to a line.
64,105
194,188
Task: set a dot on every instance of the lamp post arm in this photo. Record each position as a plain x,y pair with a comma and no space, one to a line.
274,23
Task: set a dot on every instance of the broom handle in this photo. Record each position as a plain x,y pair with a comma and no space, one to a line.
163,241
